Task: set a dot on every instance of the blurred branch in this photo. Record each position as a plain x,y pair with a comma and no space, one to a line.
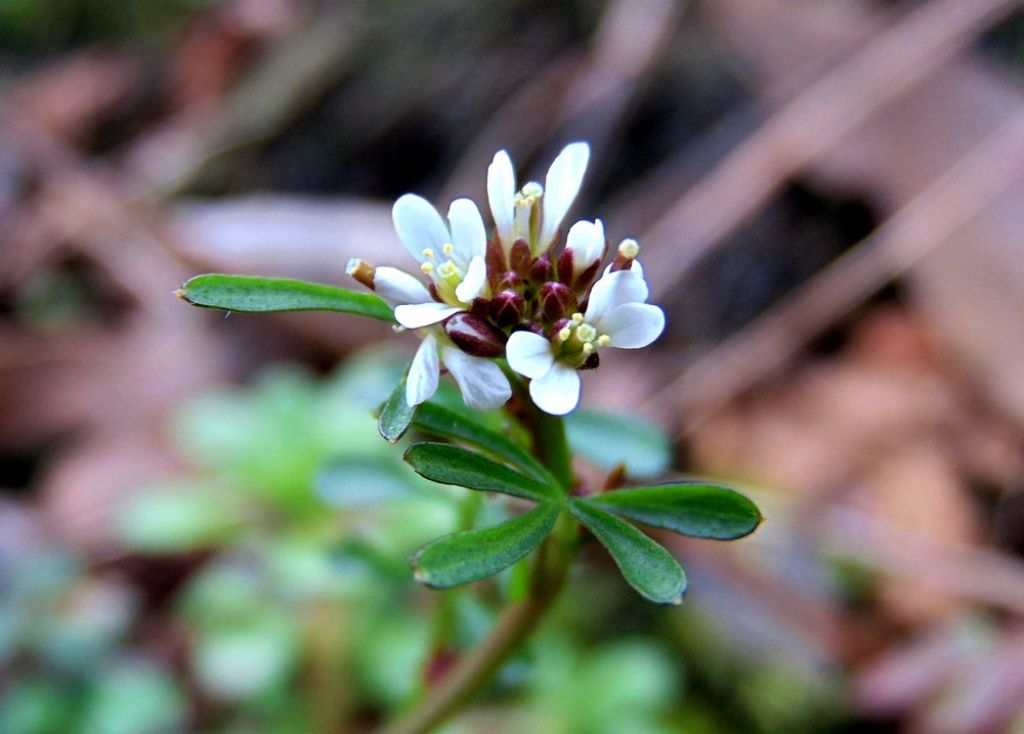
962,193
808,126
980,575
591,95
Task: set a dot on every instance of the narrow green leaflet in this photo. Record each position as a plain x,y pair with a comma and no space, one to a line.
648,567
447,464
396,414
251,294
476,554
608,440
446,423
698,509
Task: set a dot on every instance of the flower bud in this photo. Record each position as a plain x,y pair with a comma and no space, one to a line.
494,258
556,299
591,362
474,335
521,258
558,327
565,266
508,281
362,271
507,308
540,271
586,278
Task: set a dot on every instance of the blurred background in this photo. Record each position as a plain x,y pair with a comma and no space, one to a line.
199,527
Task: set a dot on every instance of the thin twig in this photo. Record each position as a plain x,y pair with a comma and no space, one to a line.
962,193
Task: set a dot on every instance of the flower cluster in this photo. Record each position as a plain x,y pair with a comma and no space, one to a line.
547,311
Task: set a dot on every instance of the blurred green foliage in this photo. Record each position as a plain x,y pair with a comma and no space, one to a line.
275,594
41,26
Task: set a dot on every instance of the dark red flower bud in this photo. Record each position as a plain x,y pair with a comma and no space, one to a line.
591,363
587,277
565,265
494,258
557,299
474,335
540,271
434,292
508,281
480,307
507,308
521,258
558,326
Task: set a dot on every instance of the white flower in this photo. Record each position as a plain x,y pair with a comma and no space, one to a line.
514,213
586,243
616,316
481,381
452,255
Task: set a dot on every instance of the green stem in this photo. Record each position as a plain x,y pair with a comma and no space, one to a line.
550,569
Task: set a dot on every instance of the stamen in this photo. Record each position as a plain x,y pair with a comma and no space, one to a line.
532,190
588,349
586,333
629,248
564,334
577,318
604,340
428,253
448,248
427,268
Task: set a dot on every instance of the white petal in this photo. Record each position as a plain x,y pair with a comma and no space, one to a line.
501,194
529,354
557,392
423,373
468,234
633,325
481,381
397,287
614,289
418,315
474,281
561,186
586,240
418,224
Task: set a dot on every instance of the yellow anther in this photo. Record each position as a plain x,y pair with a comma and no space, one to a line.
564,334
588,349
629,248
532,190
577,318
448,248
427,268
428,253
447,268
604,340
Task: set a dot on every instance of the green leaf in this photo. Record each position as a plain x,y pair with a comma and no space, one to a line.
693,508
251,294
648,567
476,554
447,464
446,423
396,414
609,439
